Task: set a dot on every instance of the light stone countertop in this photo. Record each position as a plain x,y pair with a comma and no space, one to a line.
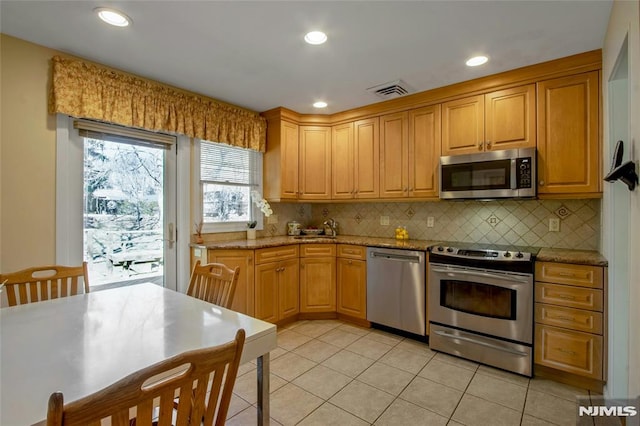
579,257
340,239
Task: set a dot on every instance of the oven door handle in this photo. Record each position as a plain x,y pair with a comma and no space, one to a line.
512,278
477,342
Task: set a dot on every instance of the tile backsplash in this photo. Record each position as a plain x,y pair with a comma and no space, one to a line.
509,222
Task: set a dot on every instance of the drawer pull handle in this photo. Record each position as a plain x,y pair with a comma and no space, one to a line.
566,297
566,351
569,319
567,274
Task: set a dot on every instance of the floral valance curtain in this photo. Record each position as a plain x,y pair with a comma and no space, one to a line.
82,89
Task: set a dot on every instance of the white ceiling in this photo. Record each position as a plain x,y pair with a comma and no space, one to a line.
252,53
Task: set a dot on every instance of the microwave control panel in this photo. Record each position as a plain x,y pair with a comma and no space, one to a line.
523,172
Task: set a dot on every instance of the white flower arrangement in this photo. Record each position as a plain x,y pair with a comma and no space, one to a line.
261,203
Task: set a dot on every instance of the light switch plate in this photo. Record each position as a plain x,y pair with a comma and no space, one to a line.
430,222
554,224
384,220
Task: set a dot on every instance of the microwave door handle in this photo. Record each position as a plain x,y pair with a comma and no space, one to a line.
514,183
512,278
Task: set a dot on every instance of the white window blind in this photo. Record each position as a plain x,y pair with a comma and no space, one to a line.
227,176
221,163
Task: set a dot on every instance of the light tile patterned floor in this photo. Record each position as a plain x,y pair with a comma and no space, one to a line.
328,372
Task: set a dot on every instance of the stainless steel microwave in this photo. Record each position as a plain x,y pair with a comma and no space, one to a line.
495,174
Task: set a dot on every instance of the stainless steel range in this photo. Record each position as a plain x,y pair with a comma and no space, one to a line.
481,304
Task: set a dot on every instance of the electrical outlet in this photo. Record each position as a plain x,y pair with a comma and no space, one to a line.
272,219
430,222
554,224
384,220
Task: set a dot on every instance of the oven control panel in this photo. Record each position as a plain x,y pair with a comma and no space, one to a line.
482,254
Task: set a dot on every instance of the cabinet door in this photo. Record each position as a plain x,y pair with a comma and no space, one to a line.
568,135
352,287
510,118
288,289
424,151
394,155
463,126
266,283
342,162
315,163
243,299
281,161
366,159
318,284
571,351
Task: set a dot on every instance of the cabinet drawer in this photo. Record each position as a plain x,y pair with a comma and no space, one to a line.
273,254
317,250
575,319
352,252
568,296
571,351
565,273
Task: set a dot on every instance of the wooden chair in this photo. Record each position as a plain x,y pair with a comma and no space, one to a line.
202,381
44,283
214,283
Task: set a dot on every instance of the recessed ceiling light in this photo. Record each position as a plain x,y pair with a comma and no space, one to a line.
477,60
320,104
113,17
315,37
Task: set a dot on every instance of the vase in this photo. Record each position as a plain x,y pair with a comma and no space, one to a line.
251,234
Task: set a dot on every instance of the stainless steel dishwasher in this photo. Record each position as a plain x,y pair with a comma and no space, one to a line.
396,289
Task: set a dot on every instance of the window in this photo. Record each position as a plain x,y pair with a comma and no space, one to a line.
227,176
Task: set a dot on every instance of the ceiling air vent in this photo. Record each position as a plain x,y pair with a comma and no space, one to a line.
393,89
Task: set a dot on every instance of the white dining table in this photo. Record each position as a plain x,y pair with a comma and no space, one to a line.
81,344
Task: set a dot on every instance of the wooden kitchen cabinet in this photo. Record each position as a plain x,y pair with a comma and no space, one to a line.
424,152
568,136
276,283
410,153
355,160
394,155
351,271
281,160
504,119
317,278
314,163
570,320
243,299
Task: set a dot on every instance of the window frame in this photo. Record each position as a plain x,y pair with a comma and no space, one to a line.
197,191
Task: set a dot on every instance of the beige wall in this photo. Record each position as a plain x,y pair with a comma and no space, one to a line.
625,20
27,158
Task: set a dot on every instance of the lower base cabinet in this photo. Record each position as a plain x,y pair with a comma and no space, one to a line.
276,283
351,270
317,278
243,299
570,320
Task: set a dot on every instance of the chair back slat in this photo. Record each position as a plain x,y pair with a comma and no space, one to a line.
213,283
186,376
44,283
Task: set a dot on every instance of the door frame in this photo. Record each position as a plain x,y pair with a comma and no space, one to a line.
69,196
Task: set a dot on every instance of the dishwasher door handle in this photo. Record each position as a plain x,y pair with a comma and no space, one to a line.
399,257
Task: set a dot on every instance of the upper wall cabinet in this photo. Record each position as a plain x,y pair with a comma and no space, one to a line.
355,156
394,155
281,161
409,153
314,163
424,151
568,136
505,119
